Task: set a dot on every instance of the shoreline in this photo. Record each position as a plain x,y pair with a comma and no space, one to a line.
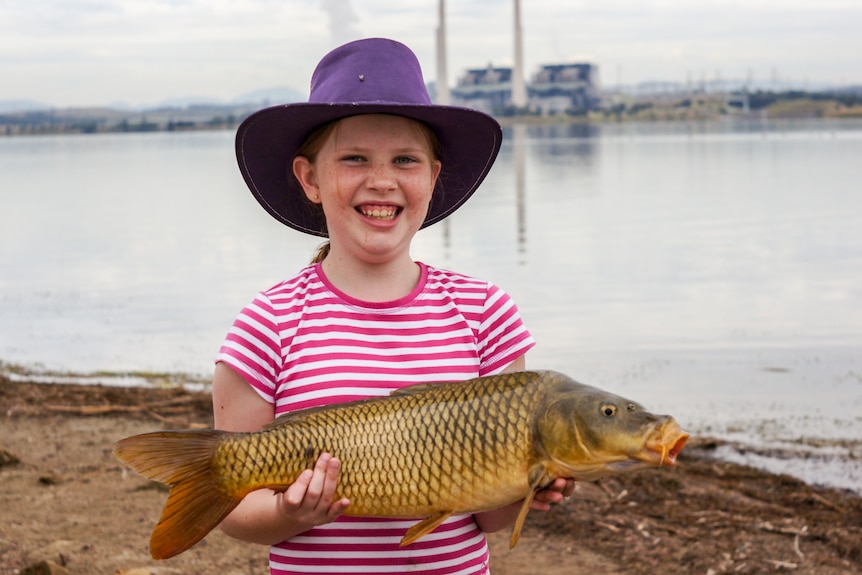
820,462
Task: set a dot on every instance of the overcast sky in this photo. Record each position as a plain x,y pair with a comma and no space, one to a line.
139,52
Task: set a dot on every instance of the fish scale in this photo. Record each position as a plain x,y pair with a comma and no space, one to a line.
427,451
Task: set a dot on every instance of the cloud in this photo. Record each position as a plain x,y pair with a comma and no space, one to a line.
87,52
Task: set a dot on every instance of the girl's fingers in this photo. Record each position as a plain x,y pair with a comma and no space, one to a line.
337,508
318,481
556,492
314,487
295,494
566,486
330,480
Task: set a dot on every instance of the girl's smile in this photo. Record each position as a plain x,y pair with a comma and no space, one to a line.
379,212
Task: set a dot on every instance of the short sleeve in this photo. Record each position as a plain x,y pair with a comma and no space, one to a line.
253,347
503,337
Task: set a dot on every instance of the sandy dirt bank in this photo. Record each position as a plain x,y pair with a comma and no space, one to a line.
66,500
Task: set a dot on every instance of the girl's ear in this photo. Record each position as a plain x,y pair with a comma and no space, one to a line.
437,167
304,172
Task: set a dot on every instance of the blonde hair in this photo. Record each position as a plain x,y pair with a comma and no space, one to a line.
312,145
309,149
321,253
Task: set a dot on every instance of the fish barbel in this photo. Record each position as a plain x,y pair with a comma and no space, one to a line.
426,451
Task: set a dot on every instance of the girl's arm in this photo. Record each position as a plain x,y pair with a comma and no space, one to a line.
265,516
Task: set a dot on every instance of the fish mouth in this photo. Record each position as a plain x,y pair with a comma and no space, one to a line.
667,442
669,457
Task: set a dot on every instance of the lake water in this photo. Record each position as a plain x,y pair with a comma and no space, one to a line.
710,271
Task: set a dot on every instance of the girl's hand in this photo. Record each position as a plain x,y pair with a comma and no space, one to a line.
496,519
308,502
556,492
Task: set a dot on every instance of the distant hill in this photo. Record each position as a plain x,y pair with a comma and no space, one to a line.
256,99
271,96
186,102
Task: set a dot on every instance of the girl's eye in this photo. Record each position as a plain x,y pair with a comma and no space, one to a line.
352,159
404,160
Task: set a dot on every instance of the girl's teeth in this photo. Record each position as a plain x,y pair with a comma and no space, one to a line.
381,214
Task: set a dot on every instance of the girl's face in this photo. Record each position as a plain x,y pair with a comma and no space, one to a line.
374,176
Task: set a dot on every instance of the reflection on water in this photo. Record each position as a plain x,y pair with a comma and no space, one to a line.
519,153
670,262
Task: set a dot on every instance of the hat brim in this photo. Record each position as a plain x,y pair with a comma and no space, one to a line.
267,141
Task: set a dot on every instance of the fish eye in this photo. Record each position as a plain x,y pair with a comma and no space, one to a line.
608,410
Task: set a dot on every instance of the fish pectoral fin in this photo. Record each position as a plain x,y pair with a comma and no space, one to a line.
424,527
538,476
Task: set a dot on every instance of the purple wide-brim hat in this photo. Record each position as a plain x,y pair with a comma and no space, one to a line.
371,76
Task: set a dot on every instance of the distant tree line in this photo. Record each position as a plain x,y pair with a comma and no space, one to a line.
78,122
215,118
760,100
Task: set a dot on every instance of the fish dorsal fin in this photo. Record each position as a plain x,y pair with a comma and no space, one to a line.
538,477
294,416
301,414
413,389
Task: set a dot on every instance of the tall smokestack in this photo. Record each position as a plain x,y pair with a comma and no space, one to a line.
444,98
519,90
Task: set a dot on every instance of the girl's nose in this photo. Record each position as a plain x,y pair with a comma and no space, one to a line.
381,176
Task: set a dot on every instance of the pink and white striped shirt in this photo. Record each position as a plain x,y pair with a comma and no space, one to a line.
303,343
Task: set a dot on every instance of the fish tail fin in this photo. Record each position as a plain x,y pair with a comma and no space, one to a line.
182,460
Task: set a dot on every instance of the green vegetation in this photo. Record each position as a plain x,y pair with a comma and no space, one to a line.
690,107
763,100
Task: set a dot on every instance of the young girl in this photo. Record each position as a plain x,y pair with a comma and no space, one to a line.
367,162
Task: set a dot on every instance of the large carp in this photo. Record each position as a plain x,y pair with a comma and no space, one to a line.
426,451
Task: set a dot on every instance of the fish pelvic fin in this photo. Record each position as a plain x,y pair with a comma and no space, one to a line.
539,477
424,527
183,461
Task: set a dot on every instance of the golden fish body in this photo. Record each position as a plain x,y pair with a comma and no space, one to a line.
426,451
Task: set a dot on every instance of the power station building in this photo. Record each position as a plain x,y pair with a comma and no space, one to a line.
554,90
486,89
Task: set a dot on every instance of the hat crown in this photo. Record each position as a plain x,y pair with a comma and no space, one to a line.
373,70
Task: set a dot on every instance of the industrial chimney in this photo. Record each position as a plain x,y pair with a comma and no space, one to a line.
519,90
443,96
